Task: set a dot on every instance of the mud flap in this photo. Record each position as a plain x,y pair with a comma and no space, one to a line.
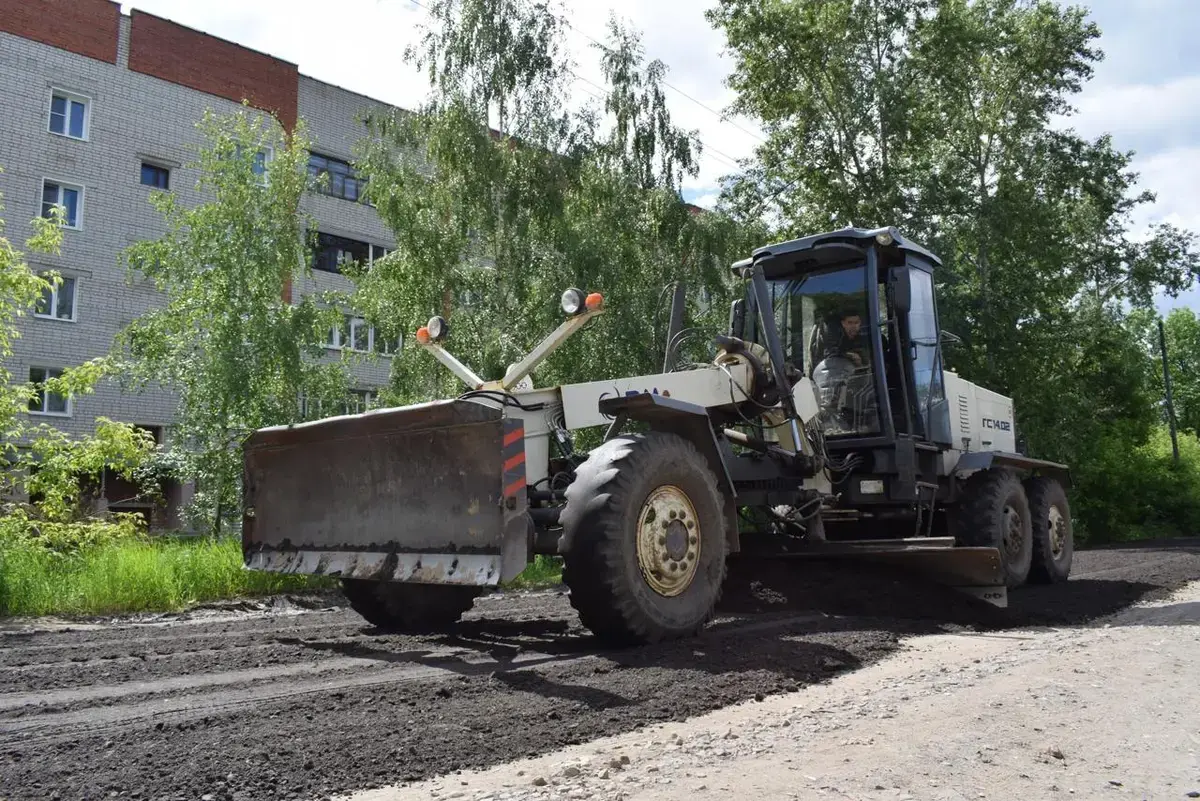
431,493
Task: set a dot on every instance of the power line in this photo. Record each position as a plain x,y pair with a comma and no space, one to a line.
670,85
732,160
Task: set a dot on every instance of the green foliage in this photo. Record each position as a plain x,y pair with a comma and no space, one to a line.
937,117
20,290
42,461
491,225
239,355
132,574
56,538
1182,330
543,571
56,463
1139,492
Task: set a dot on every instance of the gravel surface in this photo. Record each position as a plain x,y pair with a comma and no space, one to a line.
282,701
1081,712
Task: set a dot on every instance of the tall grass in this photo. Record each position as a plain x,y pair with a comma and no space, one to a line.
137,575
543,571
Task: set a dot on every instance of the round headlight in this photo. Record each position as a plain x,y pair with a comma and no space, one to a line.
438,328
885,238
572,301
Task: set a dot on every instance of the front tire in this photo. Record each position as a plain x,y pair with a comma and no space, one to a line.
409,608
1053,536
994,513
643,540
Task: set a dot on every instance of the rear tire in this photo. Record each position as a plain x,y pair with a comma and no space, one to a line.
994,513
643,540
400,607
1053,536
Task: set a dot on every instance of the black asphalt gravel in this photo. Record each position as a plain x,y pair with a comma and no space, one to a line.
300,699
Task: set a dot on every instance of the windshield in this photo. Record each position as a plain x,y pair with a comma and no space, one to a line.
823,321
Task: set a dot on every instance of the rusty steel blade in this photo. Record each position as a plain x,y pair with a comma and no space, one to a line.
408,494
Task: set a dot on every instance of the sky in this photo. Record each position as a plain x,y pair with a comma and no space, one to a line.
1146,91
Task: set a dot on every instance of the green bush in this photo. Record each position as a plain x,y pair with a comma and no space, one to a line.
1130,493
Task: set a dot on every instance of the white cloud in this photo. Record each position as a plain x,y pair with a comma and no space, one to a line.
1143,117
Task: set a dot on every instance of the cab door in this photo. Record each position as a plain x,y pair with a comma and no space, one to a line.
931,410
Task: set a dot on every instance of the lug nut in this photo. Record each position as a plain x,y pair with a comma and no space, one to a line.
666,524
673,566
662,540
674,514
682,514
691,524
693,539
691,555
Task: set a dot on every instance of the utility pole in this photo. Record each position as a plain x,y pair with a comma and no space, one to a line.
1162,345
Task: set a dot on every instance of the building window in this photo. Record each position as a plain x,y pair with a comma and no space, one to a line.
353,334
156,176
358,400
261,159
68,114
68,196
387,346
357,334
333,251
57,302
336,177
45,401
361,400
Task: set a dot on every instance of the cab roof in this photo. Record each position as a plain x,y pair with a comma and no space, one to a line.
831,249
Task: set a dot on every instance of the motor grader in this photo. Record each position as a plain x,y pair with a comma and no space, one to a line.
825,426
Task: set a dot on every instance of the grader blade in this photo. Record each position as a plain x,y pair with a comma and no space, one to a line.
432,493
978,572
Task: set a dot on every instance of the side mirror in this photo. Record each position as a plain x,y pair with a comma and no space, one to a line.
737,318
901,286
950,339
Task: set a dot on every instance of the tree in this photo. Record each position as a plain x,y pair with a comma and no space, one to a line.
940,118
20,290
238,352
41,461
1182,328
501,196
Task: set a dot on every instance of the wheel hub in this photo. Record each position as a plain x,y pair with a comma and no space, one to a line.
1058,532
1014,537
668,541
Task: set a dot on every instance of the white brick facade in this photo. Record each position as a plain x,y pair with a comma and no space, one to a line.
132,117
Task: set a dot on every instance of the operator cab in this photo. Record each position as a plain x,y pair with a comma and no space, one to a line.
854,311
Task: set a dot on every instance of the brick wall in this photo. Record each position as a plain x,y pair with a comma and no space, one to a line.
86,27
190,58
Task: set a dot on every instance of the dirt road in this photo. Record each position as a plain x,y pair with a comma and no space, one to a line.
1090,712
290,702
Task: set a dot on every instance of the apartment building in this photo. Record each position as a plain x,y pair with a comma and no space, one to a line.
97,108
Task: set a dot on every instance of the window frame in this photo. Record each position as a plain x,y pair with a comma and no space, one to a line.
341,337
63,184
54,290
154,165
70,97
348,174
50,372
